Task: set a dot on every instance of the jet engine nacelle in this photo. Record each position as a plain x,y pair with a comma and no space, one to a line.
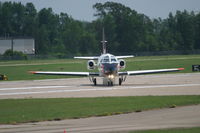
122,64
91,65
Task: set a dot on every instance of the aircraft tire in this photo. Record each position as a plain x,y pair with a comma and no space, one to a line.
110,83
95,81
120,81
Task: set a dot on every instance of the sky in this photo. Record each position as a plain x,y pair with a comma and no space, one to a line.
83,9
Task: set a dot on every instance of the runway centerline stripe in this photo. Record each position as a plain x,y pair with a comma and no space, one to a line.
94,89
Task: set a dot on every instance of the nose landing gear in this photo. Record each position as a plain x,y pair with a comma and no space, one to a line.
110,83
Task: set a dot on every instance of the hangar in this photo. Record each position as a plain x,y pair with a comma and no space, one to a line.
25,45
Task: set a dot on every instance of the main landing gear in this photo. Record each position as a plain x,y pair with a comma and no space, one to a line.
122,79
94,80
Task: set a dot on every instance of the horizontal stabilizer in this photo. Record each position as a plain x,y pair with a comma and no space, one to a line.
88,58
123,57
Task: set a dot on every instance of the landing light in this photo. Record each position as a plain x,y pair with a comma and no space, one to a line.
110,76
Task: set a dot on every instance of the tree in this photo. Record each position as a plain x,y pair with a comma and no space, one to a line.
126,30
30,22
16,55
127,26
197,31
186,30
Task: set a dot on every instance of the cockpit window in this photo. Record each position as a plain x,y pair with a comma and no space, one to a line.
113,59
106,59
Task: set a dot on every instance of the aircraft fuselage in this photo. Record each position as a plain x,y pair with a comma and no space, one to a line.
108,66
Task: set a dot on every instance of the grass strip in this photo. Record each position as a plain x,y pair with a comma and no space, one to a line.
17,70
176,130
14,111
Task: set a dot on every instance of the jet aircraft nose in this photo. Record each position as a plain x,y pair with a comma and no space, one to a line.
110,68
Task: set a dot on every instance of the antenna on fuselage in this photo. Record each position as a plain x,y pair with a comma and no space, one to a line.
104,42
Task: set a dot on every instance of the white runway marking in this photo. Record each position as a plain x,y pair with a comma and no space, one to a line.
163,86
34,64
81,90
29,88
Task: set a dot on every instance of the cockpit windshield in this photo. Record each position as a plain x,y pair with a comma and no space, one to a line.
106,59
109,59
113,59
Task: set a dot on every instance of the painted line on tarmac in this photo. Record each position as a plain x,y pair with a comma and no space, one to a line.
34,64
55,91
95,89
163,86
29,88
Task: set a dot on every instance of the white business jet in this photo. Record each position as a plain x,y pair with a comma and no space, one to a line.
109,67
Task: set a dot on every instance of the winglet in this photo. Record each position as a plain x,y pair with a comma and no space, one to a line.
181,69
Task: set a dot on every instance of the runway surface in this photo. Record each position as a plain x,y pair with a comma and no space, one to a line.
154,119
164,84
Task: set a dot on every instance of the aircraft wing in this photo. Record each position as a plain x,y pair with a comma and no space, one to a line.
97,57
122,57
140,72
88,58
66,73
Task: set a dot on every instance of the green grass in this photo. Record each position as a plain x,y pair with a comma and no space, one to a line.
159,62
31,110
17,70
20,72
178,130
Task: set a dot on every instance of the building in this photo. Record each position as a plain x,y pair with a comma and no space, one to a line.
25,45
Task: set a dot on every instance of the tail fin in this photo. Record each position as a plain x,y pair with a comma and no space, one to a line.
104,42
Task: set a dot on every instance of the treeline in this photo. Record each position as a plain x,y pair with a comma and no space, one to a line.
126,30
